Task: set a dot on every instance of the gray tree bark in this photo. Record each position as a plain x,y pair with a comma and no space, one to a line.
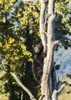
47,68
42,22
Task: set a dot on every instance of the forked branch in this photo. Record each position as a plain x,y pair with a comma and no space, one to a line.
56,92
59,90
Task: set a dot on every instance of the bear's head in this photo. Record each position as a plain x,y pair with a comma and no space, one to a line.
38,49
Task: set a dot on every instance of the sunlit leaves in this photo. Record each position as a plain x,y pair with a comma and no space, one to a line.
0,44
31,12
14,52
61,8
4,61
11,40
5,5
7,1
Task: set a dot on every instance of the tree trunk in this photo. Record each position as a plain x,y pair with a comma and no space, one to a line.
47,67
42,22
53,75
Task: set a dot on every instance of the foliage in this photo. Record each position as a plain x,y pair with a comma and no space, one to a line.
62,29
15,51
19,30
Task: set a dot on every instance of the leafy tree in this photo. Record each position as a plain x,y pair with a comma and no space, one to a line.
19,29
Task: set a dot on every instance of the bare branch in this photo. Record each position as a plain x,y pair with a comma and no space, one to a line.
41,97
56,42
58,91
24,88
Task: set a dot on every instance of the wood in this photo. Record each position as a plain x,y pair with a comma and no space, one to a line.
23,87
56,92
47,67
42,22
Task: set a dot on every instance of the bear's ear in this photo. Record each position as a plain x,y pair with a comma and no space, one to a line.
33,46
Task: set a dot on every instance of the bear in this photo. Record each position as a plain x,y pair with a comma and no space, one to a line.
37,64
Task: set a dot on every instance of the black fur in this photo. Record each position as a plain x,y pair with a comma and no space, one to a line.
37,65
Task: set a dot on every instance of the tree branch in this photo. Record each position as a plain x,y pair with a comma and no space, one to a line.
54,95
58,91
44,4
23,87
56,42
41,97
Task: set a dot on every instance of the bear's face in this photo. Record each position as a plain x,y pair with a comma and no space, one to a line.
38,48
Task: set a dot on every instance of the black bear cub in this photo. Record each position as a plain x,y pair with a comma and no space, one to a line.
37,65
